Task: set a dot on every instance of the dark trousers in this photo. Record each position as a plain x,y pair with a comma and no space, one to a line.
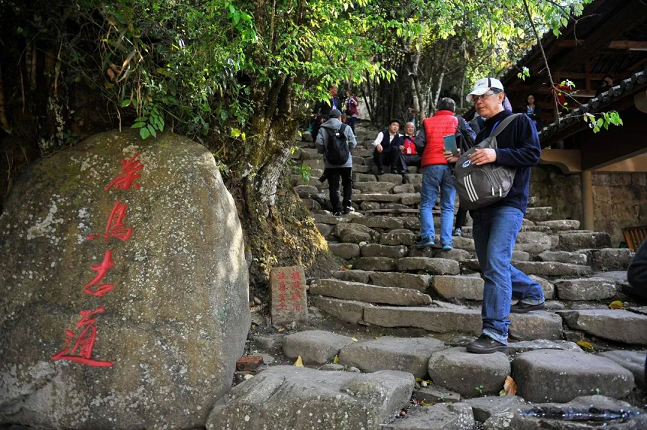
333,174
461,217
390,156
409,160
351,122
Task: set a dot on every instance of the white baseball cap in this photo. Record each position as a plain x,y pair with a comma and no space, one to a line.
482,85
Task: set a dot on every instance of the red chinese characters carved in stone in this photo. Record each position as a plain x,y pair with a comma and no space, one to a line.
115,226
101,270
129,169
81,350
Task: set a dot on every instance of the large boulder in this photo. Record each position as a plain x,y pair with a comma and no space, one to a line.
156,350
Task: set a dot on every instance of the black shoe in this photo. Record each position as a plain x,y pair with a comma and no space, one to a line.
521,307
348,209
336,213
485,345
394,170
380,171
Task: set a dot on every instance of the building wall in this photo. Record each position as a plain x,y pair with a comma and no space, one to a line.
619,199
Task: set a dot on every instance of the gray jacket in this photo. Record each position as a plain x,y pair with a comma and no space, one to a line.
327,129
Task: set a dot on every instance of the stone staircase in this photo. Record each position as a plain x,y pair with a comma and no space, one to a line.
590,341
392,284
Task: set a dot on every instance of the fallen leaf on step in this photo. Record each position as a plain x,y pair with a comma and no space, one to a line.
246,377
281,329
354,339
509,386
587,346
616,305
299,362
336,360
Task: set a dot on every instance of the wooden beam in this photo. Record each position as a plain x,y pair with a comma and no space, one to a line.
570,43
568,160
633,45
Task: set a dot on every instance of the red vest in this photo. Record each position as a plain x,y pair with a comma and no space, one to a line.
441,124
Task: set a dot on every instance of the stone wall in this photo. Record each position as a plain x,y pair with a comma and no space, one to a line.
619,199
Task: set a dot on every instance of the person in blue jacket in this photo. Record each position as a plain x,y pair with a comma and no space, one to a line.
496,226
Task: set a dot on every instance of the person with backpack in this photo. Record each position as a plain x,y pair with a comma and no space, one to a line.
496,225
336,141
437,175
387,148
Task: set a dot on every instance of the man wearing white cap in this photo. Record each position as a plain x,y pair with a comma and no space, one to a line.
496,226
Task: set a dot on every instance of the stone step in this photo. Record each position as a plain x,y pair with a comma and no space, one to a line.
539,213
551,268
391,353
561,376
283,397
585,289
612,324
576,240
348,290
385,279
432,319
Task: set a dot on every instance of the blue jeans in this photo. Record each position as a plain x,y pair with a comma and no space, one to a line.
495,232
435,177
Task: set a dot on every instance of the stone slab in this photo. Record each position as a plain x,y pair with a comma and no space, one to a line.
433,266
377,264
346,290
612,324
347,251
400,280
469,374
573,241
561,376
458,287
585,289
633,361
435,320
314,346
344,310
362,276
535,325
377,250
391,353
382,222
441,416
551,268
289,397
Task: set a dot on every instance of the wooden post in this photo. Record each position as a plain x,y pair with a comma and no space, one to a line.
587,200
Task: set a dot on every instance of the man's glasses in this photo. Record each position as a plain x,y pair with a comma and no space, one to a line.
476,98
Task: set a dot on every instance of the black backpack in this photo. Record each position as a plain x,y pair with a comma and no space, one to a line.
464,139
337,151
480,186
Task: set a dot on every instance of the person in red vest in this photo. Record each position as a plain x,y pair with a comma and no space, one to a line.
436,175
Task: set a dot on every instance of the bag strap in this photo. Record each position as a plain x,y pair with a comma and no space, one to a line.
342,129
503,124
498,128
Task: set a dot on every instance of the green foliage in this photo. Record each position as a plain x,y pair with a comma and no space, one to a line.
305,172
524,73
604,119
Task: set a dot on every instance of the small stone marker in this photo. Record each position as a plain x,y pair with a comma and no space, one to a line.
289,301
